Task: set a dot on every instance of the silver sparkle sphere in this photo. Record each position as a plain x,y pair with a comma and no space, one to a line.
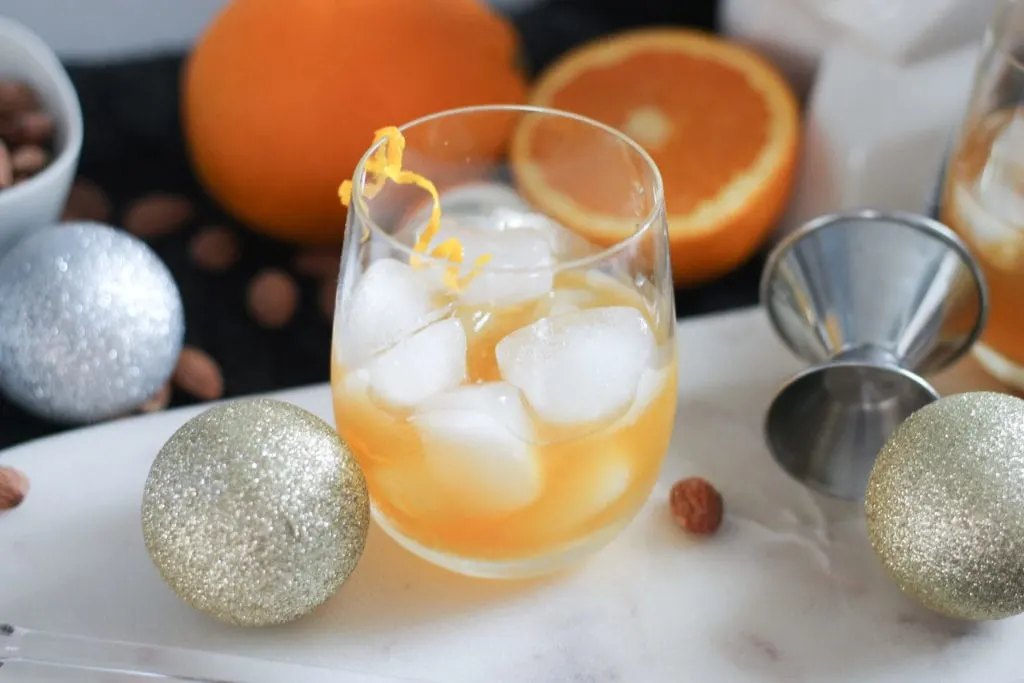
255,512
91,323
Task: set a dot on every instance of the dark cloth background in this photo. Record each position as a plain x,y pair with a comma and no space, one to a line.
133,146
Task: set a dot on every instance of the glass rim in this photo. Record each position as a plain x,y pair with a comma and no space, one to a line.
645,225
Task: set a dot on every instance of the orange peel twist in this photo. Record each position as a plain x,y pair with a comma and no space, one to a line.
386,164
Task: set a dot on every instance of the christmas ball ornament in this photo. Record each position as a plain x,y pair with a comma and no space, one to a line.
945,506
91,323
255,512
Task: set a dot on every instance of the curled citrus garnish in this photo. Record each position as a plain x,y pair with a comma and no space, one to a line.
386,164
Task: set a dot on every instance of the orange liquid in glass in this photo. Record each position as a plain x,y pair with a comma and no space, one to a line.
983,203
592,478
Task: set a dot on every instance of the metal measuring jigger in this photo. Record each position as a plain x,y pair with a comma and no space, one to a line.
874,300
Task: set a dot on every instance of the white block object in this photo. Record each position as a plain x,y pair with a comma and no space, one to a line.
908,31
795,34
791,36
876,133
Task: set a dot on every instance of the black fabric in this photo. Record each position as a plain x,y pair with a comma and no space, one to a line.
133,146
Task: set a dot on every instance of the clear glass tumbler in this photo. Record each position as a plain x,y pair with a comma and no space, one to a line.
506,376
983,197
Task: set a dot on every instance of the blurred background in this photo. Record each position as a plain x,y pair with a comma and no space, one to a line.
881,86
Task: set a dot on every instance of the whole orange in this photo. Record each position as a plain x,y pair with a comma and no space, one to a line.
280,98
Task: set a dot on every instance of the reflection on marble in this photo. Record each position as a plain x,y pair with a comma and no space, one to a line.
787,591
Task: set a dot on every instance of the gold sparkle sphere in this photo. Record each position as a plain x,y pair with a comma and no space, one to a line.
945,506
255,512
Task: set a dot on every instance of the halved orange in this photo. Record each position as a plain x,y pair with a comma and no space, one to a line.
721,123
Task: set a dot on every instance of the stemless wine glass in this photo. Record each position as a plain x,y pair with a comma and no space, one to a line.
509,389
983,196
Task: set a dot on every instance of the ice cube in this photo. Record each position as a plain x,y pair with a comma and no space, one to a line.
564,243
420,366
652,383
519,269
476,442
565,300
999,242
390,301
474,205
579,367
601,484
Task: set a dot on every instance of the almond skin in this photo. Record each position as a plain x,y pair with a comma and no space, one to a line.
198,375
13,488
157,215
87,202
214,249
273,298
159,401
696,506
6,167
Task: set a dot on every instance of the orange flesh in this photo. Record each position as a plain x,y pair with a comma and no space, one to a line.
576,472
718,123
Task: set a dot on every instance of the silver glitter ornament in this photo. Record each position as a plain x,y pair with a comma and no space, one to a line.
255,512
91,323
945,506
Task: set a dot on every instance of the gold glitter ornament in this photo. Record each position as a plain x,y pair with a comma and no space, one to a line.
945,506
255,512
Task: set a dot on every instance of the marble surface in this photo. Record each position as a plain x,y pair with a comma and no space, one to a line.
787,591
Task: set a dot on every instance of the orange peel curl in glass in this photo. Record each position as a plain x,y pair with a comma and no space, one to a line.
386,164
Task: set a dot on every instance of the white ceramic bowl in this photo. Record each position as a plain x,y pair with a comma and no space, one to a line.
39,200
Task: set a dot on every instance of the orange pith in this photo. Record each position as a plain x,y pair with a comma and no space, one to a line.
721,124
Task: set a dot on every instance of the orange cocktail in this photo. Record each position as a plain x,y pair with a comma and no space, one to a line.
983,198
509,393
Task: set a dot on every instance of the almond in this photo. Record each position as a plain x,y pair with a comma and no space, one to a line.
28,160
198,375
696,506
35,127
159,401
87,202
13,488
318,263
16,97
214,249
157,215
272,299
6,169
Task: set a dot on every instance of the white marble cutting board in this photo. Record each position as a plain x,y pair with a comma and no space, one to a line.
787,591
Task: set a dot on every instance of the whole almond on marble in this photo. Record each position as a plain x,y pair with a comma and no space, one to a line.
13,488
696,506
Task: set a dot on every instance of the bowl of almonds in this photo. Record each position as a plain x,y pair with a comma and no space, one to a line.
40,133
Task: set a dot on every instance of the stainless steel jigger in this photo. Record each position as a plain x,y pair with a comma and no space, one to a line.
874,300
